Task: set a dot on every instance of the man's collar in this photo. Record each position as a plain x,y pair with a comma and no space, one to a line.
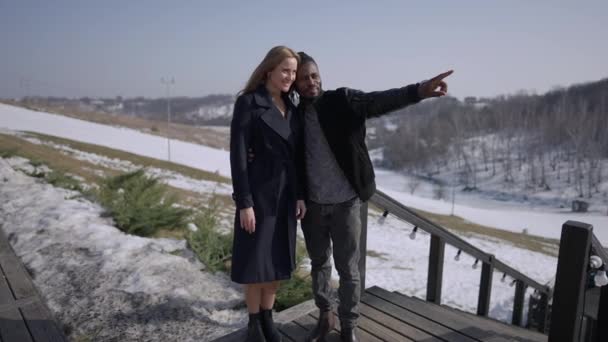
306,101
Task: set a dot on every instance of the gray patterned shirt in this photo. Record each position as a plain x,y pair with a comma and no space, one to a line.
327,183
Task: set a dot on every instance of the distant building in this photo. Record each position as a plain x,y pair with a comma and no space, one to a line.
117,107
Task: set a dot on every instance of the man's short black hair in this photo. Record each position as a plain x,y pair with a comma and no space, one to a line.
305,58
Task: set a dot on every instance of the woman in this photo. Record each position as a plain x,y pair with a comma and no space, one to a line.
267,191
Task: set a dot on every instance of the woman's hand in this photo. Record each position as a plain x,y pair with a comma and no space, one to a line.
247,219
300,209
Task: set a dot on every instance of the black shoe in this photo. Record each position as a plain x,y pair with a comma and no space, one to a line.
325,325
270,331
254,329
348,335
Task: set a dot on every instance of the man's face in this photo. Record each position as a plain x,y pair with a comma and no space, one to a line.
308,80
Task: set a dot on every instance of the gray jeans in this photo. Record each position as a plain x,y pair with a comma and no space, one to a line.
339,225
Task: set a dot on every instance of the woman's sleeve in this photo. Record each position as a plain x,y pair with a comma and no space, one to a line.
240,135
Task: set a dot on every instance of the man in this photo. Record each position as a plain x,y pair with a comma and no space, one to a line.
339,177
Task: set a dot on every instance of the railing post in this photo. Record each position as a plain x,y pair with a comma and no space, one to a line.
435,274
602,315
485,287
363,245
538,309
544,312
588,327
518,302
570,282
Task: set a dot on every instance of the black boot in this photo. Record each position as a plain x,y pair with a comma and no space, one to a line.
254,329
348,334
325,325
270,331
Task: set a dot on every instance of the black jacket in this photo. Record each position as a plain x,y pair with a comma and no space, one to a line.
269,183
257,125
342,114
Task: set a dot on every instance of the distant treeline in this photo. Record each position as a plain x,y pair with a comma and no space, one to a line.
563,132
208,110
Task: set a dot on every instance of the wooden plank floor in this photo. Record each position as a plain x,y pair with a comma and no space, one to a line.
23,315
389,316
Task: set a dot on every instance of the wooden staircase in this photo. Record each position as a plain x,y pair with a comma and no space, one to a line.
391,316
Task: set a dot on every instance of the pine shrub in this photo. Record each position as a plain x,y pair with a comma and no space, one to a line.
62,180
141,205
298,289
212,248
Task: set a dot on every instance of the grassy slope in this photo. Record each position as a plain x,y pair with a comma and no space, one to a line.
198,135
90,172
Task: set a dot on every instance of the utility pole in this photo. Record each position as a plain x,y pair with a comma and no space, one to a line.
25,88
453,197
168,83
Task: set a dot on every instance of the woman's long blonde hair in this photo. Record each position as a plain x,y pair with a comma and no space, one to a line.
274,57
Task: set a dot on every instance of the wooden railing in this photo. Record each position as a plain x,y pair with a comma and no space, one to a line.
580,306
439,238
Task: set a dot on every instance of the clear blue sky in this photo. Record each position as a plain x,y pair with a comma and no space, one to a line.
109,48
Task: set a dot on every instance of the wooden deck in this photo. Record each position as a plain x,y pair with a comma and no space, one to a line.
390,316
23,315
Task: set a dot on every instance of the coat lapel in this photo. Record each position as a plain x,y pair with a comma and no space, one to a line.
271,116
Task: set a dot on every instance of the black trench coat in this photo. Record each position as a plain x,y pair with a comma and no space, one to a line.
269,183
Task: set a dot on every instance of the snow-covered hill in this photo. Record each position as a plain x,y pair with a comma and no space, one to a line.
510,214
125,139
395,261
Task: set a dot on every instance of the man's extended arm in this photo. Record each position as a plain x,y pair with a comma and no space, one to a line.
377,103
369,105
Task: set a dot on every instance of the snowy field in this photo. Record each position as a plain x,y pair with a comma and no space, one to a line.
202,157
513,216
96,278
516,217
402,266
397,262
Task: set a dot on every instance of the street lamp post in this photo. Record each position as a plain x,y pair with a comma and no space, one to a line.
453,197
168,83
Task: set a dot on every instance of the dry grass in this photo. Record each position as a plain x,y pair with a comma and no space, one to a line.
461,226
525,241
52,158
213,137
374,254
134,158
